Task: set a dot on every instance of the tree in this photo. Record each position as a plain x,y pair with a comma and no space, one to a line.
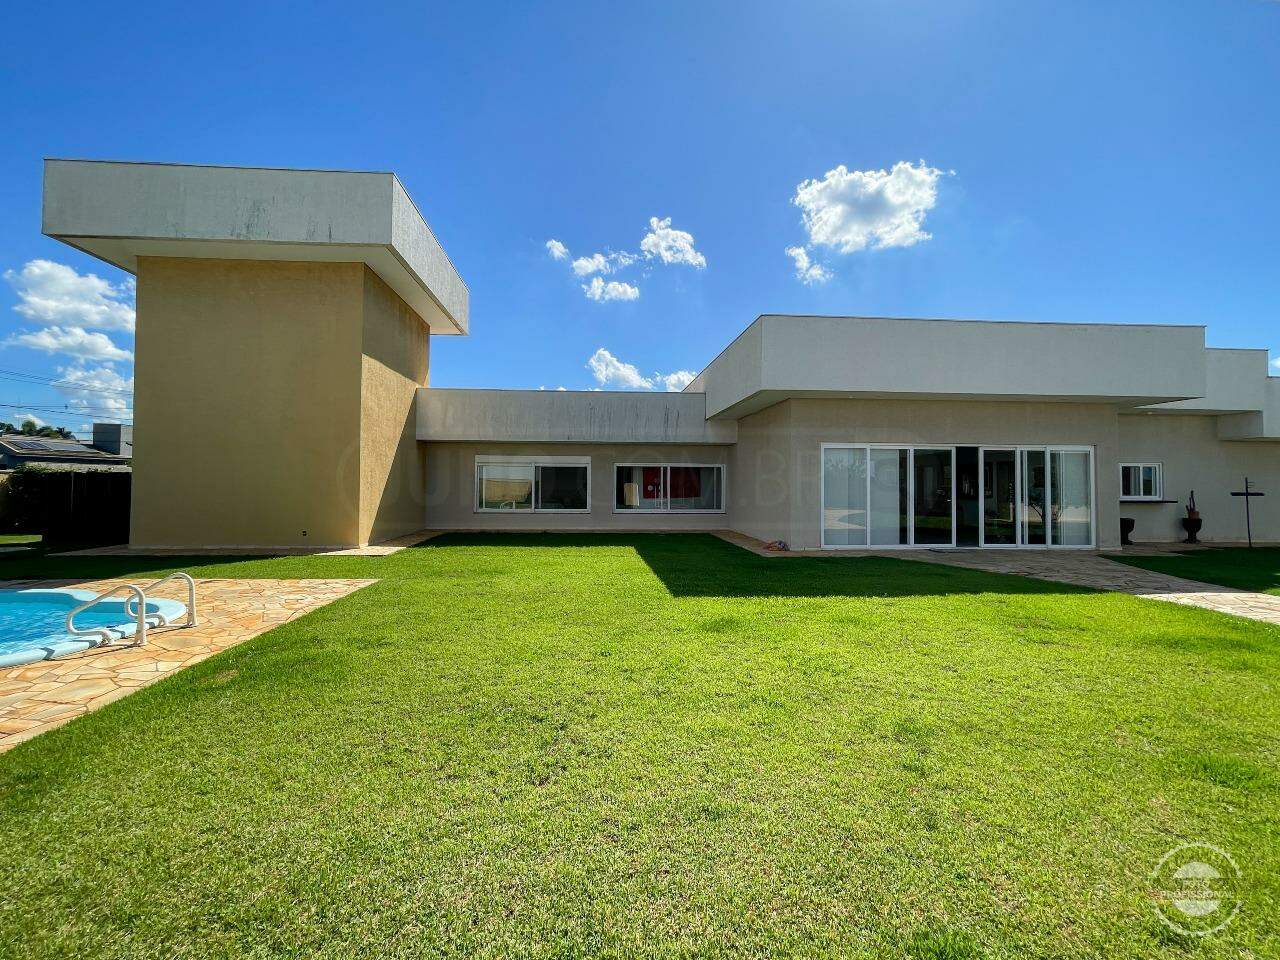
30,429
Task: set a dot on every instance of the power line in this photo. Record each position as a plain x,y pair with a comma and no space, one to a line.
100,415
34,378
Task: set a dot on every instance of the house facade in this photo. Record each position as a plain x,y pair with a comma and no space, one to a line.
283,399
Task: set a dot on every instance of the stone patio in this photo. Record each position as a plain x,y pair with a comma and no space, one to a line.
1078,567
40,696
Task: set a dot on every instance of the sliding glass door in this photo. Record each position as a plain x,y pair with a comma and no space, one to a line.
1033,498
880,495
876,495
1071,498
999,493
890,497
1037,497
844,496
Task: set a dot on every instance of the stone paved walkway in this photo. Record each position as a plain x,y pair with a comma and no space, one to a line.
1091,570
1081,568
40,696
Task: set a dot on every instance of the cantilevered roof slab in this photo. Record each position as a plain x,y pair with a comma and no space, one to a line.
778,357
121,211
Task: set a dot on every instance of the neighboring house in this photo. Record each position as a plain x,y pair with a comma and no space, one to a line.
17,450
303,302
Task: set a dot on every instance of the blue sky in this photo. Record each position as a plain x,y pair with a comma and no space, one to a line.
1087,161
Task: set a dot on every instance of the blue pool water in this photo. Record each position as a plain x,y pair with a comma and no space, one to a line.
33,623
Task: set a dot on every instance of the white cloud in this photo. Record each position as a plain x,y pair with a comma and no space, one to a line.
602,263
661,243
596,263
609,371
854,210
598,290
55,294
24,417
675,382
670,245
807,272
73,341
97,391
1275,364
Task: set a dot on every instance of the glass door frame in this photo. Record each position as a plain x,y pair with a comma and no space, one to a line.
1048,450
911,449
1017,498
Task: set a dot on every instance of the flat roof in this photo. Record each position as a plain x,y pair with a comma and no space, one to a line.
119,211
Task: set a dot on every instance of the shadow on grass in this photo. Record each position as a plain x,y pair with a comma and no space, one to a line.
703,565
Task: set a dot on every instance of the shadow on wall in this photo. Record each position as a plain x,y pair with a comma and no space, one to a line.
702,565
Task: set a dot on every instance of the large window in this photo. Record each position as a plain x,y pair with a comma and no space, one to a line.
1141,481
548,485
669,488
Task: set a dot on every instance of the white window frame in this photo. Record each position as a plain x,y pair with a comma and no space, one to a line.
666,489
1158,492
534,462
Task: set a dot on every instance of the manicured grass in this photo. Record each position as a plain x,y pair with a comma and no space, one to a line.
556,746
10,538
1257,570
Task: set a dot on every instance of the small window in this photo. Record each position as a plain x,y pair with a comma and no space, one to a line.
1141,481
669,488
540,486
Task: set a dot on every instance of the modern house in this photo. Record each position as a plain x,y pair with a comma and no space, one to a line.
283,399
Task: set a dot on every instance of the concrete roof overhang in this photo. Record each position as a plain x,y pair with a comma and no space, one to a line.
780,357
119,212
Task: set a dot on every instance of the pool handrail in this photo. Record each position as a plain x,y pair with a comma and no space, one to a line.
191,597
105,632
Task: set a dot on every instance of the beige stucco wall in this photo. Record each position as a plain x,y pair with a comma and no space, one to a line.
763,460
271,404
787,438
1195,459
394,365
451,487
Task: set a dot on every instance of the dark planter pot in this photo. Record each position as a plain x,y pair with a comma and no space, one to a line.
1126,530
1192,525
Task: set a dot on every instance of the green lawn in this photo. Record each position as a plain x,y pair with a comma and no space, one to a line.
557,746
18,538
1257,570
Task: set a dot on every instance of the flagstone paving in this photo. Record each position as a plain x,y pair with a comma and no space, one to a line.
40,696
1081,568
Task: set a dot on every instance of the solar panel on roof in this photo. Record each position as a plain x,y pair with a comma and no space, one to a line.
29,445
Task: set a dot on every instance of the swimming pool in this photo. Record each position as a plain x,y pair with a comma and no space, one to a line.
33,623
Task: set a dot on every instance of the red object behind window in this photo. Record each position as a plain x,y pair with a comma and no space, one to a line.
686,483
651,477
